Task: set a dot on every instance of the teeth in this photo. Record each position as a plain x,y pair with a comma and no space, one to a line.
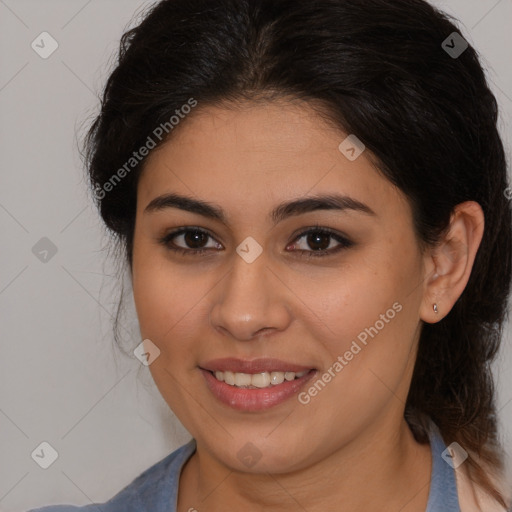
257,380
276,378
229,378
242,379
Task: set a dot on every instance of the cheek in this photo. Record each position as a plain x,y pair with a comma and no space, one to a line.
366,315
161,297
161,311
343,303
153,301
368,331
170,306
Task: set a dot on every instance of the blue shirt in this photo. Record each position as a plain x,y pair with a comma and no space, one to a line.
156,489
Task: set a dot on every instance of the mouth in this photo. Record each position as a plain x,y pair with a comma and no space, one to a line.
254,385
256,380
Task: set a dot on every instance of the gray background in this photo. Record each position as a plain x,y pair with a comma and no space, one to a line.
61,379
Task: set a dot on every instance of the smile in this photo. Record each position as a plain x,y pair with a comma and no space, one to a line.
256,380
256,385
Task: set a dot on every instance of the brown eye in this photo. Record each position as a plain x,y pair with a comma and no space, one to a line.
320,242
317,242
189,241
195,239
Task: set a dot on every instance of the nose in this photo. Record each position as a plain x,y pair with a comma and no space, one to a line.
250,301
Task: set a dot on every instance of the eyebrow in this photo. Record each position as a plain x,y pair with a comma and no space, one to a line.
281,212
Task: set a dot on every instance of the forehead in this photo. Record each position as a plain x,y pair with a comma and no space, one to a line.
260,154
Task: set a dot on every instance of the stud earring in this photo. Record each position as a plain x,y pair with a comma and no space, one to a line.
435,309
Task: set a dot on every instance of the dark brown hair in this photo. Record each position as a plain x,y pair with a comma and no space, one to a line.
379,70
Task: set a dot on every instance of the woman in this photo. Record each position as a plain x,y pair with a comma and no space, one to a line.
311,200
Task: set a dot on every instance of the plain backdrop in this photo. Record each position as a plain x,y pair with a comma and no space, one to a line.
62,381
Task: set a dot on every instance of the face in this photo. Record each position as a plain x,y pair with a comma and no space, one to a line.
328,291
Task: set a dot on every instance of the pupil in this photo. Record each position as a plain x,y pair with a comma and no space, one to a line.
193,237
315,240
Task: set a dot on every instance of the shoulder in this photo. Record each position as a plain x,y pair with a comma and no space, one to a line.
471,497
474,499
152,490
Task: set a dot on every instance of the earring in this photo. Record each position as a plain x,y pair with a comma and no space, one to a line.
435,309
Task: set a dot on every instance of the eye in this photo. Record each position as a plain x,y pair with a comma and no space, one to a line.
193,241
193,238
322,241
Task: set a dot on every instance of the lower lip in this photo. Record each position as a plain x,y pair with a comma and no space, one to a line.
245,399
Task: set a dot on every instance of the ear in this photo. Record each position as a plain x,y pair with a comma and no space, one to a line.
448,265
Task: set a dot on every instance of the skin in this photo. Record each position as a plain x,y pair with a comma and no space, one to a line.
350,444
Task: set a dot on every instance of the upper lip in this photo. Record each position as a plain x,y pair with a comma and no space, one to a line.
234,365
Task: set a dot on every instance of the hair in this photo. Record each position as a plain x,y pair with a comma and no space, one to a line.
376,69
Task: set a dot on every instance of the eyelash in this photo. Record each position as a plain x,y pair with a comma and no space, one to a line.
344,242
